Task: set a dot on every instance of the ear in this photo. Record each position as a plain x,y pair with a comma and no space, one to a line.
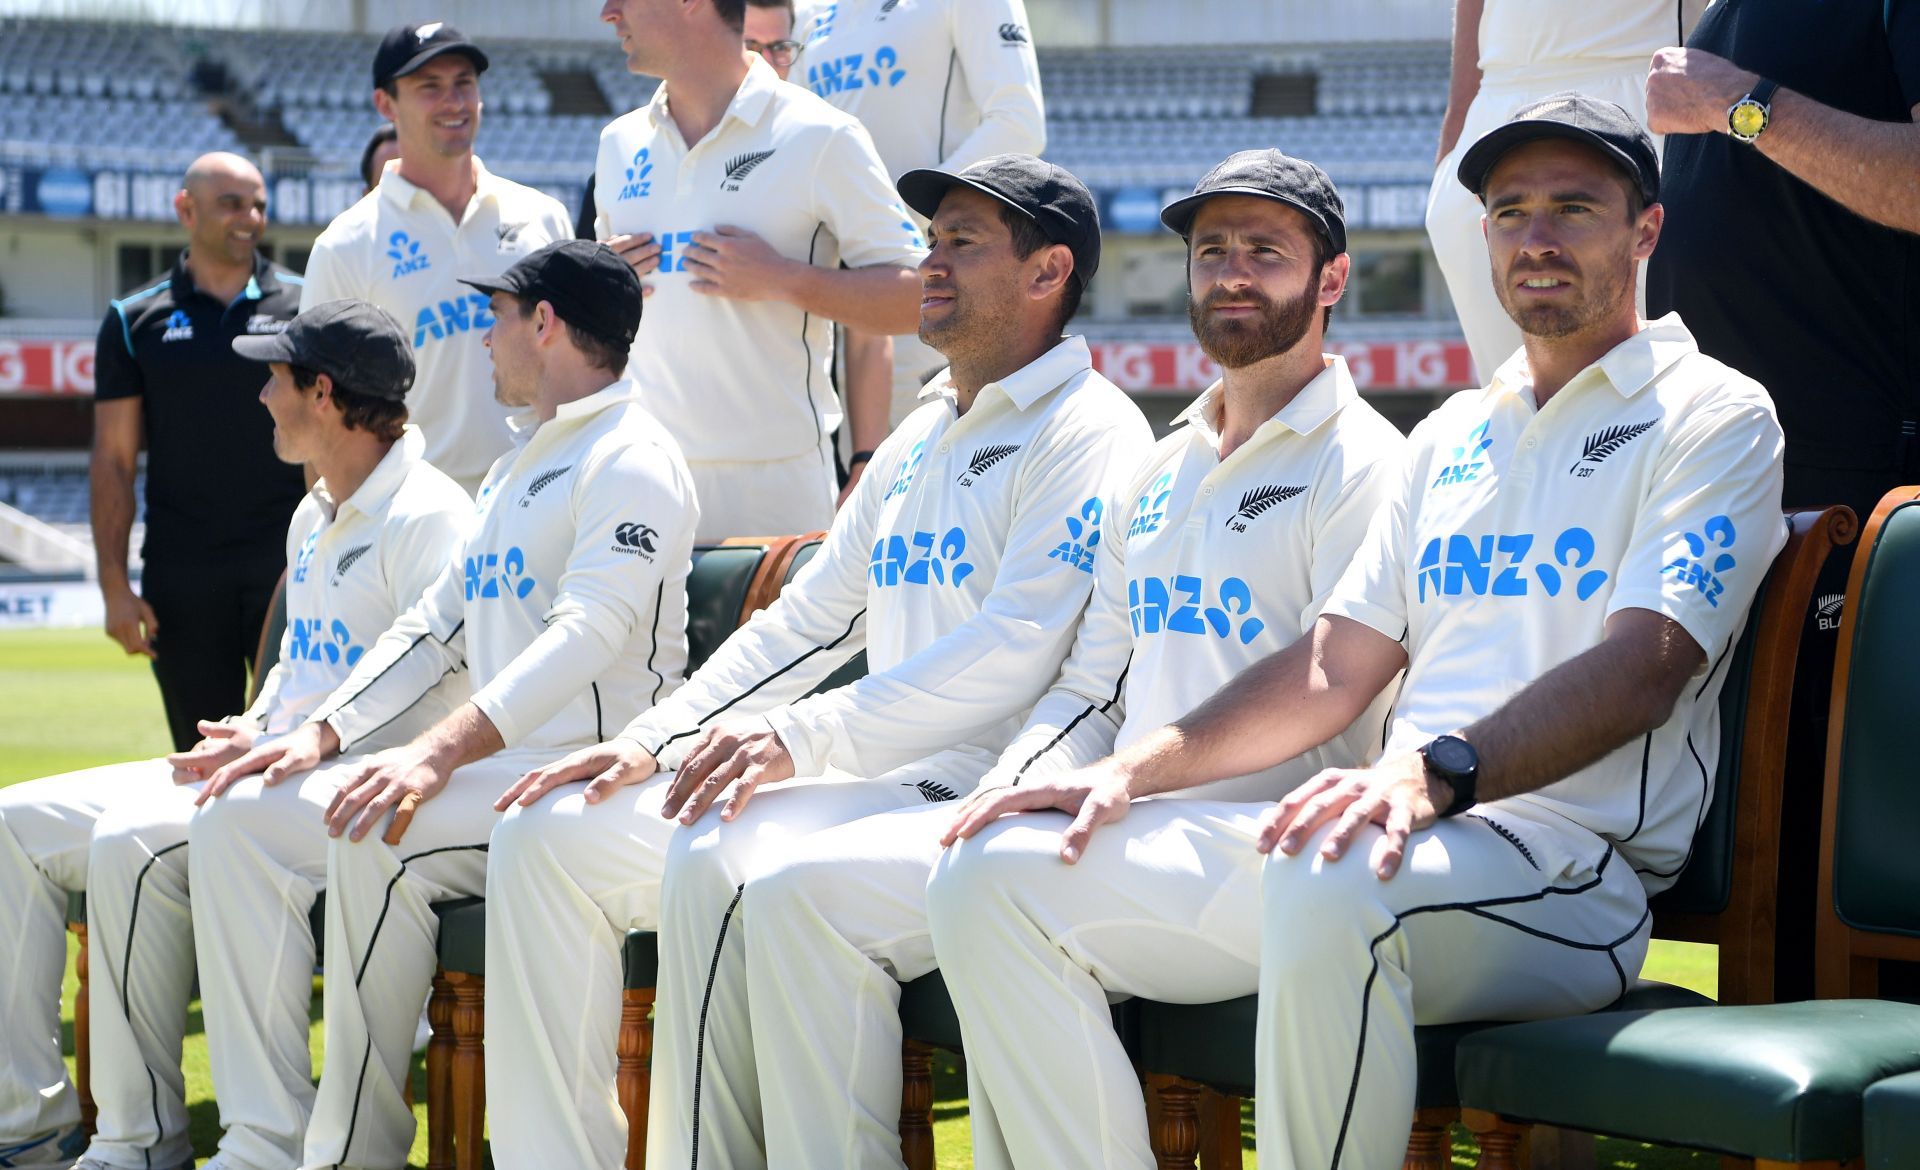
383,105
1054,270
183,208
1333,279
1647,231
322,392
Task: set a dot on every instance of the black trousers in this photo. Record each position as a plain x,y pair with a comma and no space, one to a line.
210,610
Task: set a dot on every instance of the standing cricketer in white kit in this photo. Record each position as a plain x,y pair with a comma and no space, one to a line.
937,83
962,571
1563,567
568,602
359,550
739,198
1230,538
439,213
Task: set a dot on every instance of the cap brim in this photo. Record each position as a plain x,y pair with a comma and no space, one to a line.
414,62
923,190
490,284
1178,216
265,347
1478,163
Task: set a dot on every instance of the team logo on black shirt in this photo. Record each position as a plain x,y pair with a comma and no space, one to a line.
179,327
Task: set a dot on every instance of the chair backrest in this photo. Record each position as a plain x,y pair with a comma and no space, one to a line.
1726,895
718,589
267,652
1869,900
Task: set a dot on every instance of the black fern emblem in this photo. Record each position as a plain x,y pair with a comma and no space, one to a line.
741,165
1603,443
936,793
984,459
1261,498
346,560
541,481
889,6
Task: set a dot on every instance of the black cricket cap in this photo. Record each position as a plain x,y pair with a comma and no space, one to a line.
586,282
1048,195
410,46
357,344
1606,127
1267,174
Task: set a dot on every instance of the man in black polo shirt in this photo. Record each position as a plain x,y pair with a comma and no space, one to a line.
1792,188
218,501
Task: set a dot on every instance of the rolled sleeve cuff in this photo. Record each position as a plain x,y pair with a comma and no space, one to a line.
1378,618
496,708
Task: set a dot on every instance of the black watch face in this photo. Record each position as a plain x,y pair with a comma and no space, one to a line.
1452,756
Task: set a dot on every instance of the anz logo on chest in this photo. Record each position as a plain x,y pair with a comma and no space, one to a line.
494,575
637,184
1185,605
1467,460
1497,566
921,558
673,250
406,255
450,318
333,644
855,71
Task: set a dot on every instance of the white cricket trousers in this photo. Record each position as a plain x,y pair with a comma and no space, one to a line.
778,497
258,858
1453,212
705,1107
1174,904
118,832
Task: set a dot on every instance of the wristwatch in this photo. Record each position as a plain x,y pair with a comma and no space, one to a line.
1750,115
1452,759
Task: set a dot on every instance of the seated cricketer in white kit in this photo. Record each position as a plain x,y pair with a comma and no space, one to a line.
361,547
758,215
1221,551
568,602
1565,564
961,568
438,214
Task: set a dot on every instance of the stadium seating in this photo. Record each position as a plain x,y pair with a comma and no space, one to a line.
1726,896
1784,1084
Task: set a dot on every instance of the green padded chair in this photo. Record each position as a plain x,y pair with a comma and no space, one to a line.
1892,1123
1783,1084
1724,896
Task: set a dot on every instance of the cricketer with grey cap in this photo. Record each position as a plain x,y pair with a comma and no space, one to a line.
357,344
1051,196
1267,174
1602,125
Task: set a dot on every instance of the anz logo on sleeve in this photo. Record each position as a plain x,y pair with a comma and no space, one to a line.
855,71
451,318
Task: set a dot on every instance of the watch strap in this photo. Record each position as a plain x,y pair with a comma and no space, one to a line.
1763,92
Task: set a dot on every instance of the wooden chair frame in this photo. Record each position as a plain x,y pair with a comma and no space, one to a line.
1743,930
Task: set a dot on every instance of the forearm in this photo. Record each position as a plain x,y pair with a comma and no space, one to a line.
869,387
1463,81
1870,168
111,512
884,298
461,738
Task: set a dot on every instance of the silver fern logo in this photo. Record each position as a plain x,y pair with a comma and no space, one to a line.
742,165
983,461
1257,501
1603,443
347,560
542,480
1827,610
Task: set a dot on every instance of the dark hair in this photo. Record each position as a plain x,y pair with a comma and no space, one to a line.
384,418
1322,253
733,13
602,353
385,134
784,4
1028,239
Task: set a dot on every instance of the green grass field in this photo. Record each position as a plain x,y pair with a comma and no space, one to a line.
69,699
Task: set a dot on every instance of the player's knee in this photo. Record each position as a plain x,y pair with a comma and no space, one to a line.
986,871
1306,897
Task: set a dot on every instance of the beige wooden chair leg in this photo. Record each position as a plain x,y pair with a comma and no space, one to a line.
633,1079
83,1035
1176,1130
469,1069
916,1105
440,1075
1428,1143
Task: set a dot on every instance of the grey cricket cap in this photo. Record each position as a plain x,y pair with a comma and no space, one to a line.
1051,196
357,344
1267,174
1602,125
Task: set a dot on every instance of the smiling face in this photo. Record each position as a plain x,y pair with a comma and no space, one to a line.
224,209
646,29
1564,234
1255,280
973,282
435,109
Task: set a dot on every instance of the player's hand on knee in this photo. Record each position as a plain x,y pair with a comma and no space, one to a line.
398,781
220,744
1394,794
746,755
1094,796
605,766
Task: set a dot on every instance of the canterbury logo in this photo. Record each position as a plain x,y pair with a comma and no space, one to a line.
635,536
1601,444
741,165
1013,34
346,561
1261,498
985,458
1829,604
541,481
936,793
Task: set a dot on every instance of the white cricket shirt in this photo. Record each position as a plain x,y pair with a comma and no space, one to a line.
1209,567
1650,481
1542,38
400,249
733,380
961,565
568,601
353,566
937,83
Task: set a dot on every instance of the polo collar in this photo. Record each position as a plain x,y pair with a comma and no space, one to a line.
1030,383
1327,394
402,193
757,91
525,422
1629,367
371,497
259,285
